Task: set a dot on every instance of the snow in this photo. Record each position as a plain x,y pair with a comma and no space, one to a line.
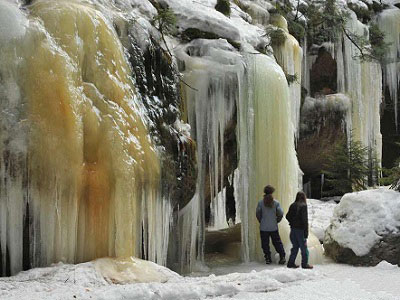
202,15
362,218
243,281
10,14
320,214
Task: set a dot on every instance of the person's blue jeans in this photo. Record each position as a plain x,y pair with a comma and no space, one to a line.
299,242
276,241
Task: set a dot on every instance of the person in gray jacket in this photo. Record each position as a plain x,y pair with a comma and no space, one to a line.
269,213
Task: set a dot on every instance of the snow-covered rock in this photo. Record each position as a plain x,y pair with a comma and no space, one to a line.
319,215
365,228
132,270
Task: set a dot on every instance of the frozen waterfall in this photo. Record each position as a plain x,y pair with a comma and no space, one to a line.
80,178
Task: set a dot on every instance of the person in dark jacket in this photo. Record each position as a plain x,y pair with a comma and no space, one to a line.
269,213
298,221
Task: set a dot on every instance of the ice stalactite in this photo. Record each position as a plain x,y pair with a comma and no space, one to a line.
213,74
81,177
218,212
389,23
362,82
289,56
267,151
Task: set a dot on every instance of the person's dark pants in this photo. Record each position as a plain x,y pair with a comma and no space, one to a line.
276,241
298,242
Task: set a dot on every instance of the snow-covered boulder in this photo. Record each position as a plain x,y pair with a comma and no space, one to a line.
365,228
132,270
319,215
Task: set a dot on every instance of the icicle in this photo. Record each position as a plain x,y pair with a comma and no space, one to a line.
289,57
214,70
389,23
362,82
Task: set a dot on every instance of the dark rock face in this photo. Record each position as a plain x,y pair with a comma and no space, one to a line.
157,81
312,152
323,74
321,131
388,248
390,135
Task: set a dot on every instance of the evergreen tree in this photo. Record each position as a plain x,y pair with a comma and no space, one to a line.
392,176
346,169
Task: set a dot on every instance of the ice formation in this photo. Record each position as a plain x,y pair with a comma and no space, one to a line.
213,75
82,175
362,82
266,151
289,56
213,71
80,178
389,23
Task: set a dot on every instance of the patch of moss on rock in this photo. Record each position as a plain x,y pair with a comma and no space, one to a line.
296,29
224,7
278,36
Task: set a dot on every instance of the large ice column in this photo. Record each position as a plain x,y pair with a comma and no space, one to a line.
84,177
389,23
289,56
362,82
267,150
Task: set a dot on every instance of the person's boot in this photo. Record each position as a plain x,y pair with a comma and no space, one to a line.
292,266
307,266
282,260
268,260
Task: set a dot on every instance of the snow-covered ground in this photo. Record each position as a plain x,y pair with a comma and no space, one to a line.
245,281
135,279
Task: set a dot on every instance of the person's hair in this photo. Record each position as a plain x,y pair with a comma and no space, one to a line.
268,199
269,190
301,198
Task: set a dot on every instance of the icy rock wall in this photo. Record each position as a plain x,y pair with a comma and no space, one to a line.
362,82
389,23
359,80
213,77
79,175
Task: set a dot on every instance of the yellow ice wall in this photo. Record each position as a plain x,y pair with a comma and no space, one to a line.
84,114
93,173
